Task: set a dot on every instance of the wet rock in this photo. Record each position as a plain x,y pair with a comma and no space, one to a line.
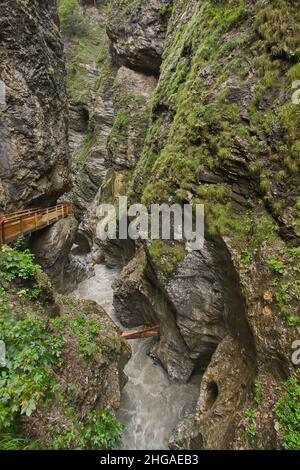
83,241
33,131
52,247
224,390
78,126
204,293
138,300
132,295
196,305
90,174
77,269
137,34
183,428
133,93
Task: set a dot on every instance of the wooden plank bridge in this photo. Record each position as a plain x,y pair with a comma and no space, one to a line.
25,222
151,332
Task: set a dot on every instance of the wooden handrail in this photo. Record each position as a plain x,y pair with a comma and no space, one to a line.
31,220
29,212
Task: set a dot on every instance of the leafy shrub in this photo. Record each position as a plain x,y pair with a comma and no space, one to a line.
13,440
86,330
30,353
251,428
288,412
72,17
276,266
17,264
101,431
257,392
246,259
27,381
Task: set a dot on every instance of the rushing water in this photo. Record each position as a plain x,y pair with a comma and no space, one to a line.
151,404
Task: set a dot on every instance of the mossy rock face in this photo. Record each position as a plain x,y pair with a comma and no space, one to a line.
87,50
114,186
137,31
224,132
223,110
117,104
132,97
165,256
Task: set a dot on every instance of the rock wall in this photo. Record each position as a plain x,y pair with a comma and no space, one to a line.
222,131
34,153
109,117
137,34
90,355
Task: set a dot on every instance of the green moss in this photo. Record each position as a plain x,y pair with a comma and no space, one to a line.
166,255
276,23
72,18
251,426
255,231
190,143
252,237
87,45
120,127
203,110
288,412
131,119
85,149
264,185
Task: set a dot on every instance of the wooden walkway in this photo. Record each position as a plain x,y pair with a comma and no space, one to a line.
28,221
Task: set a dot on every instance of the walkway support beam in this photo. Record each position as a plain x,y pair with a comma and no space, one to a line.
31,220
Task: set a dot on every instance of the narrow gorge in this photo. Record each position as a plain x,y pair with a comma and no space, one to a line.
164,102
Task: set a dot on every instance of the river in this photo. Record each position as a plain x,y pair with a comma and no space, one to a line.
151,404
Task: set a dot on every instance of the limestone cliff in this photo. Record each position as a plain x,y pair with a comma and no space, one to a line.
34,149
64,372
191,101
223,131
